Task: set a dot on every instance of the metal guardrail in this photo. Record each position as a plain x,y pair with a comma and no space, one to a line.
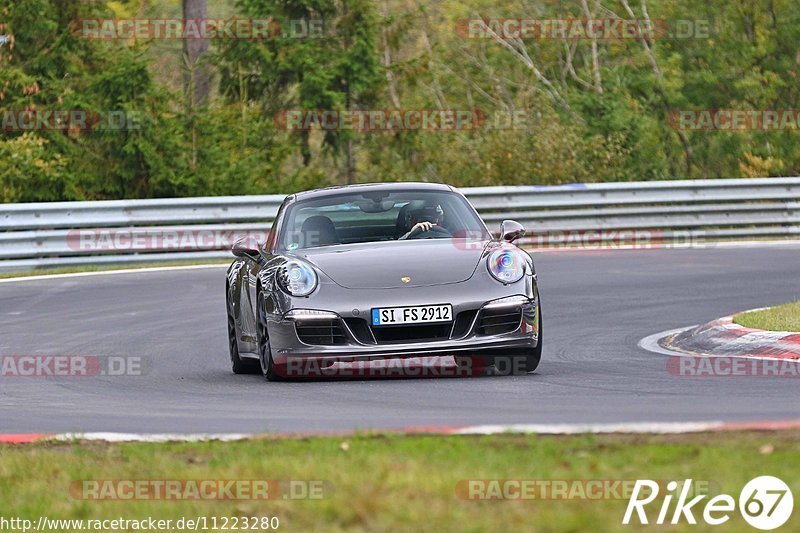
167,230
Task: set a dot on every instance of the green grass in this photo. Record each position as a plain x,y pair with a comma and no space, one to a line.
396,483
105,268
781,318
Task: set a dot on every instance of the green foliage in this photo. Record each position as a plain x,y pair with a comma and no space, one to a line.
586,115
30,172
335,68
51,68
784,317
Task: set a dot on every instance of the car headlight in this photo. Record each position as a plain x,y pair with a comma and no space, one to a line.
506,266
297,278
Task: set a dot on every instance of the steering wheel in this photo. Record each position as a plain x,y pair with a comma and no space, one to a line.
432,233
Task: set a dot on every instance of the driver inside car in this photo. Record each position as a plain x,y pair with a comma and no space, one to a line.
424,219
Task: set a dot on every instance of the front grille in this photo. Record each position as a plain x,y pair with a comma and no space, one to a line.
498,321
320,332
412,333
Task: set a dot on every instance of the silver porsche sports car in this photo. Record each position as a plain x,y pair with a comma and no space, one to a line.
382,271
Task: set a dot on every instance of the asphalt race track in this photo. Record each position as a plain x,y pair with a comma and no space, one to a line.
597,306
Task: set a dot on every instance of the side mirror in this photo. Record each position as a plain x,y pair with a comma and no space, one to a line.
246,247
511,230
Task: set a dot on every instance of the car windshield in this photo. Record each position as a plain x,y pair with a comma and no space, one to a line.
379,215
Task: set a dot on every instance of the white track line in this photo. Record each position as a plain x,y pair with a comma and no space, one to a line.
542,429
650,343
652,428
152,437
110,272
667,246
574,429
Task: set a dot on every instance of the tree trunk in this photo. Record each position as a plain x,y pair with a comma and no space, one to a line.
351,157
351,162
197,77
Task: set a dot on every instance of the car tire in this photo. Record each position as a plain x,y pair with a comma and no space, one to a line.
513,365
266,362
533,358
238,365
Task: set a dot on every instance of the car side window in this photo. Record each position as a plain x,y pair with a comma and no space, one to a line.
269,245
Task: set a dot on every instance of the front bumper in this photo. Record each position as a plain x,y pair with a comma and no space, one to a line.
469,334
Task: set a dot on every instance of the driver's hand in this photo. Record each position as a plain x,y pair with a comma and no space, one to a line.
420,227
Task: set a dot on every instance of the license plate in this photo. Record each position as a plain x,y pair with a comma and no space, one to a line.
391,316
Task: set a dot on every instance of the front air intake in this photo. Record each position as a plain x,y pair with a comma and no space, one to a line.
320,332
499,321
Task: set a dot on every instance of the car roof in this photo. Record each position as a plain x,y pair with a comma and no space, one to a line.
367,187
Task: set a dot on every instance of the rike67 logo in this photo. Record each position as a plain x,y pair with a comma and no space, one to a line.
765,503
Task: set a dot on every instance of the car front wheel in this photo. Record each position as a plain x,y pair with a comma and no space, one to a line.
535,355
268,369
238,365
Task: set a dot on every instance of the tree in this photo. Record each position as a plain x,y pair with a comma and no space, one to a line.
197,78
339,70
52,67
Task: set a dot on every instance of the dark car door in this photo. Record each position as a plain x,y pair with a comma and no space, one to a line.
249,293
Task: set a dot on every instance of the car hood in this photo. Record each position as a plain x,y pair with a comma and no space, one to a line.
384,265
